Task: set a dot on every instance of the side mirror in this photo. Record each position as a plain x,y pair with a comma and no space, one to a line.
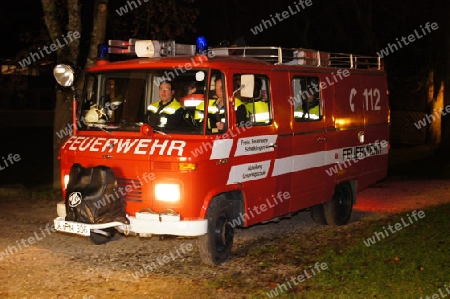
247,86
64,74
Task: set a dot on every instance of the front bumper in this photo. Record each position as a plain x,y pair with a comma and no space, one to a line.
144,223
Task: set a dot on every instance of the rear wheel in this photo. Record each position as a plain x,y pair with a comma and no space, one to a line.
338,210
215,245
99,237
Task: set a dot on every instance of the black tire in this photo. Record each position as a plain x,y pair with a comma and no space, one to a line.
338,210
317,214
103,236
215,245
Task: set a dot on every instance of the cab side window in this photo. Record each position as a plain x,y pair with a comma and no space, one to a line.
258,108
216,117
307,100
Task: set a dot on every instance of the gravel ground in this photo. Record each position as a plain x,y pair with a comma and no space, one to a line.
44,264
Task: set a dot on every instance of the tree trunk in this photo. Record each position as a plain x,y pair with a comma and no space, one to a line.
98,30
435,103
445,139
63,106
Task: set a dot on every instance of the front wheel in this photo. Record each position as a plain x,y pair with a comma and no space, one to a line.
215,245
338,210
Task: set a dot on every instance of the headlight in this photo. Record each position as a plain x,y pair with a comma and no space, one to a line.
66,181
167,192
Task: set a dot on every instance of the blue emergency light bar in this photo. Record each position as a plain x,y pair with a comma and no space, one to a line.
202,45
102,52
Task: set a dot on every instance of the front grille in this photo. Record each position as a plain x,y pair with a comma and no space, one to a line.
135,193
161,166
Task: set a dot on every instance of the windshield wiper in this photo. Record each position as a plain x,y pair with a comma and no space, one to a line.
160,132
100,126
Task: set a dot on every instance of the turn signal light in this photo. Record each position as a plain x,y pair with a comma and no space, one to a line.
187,166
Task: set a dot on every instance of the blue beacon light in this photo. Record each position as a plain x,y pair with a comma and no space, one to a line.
102,52
202,45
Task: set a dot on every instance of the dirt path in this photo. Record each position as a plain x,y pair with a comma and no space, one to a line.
38,263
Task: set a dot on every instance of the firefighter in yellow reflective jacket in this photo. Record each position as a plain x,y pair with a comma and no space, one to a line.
167,112
216,110
258,107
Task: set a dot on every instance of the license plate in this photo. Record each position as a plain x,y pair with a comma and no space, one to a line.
73,227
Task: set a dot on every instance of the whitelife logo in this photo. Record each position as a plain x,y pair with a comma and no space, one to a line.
128,189
181,69
353,155
394,228
391,48
23,243
341,75
297,280
11,158
432,117
208,146
281,196
130,4
53,47
439,295
298,6
165,259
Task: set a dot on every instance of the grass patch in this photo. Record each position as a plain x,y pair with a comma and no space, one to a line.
410,263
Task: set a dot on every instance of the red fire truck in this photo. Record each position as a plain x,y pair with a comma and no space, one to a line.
315,132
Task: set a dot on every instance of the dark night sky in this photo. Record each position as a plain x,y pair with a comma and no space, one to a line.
230,19
17,17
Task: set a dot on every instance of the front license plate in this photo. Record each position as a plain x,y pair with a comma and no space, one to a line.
72,227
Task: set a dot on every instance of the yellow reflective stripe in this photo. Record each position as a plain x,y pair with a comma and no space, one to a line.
199,114
152,108
213,109
173,106
168,110
262,116
299,114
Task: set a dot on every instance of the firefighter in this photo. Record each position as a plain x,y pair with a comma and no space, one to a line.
310,107
167,112
217,110
258,107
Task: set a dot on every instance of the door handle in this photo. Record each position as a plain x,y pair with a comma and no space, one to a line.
361,137
321,138
222,161
273,145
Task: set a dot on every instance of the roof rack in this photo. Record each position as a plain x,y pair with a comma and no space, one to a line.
274,55
300,56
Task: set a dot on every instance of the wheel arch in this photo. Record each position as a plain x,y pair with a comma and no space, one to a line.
234,196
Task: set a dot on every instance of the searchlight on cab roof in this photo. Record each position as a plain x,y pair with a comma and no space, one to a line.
150,48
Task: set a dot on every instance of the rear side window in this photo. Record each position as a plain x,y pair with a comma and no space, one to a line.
307,100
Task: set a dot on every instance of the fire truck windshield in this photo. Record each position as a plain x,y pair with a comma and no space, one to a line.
124,100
